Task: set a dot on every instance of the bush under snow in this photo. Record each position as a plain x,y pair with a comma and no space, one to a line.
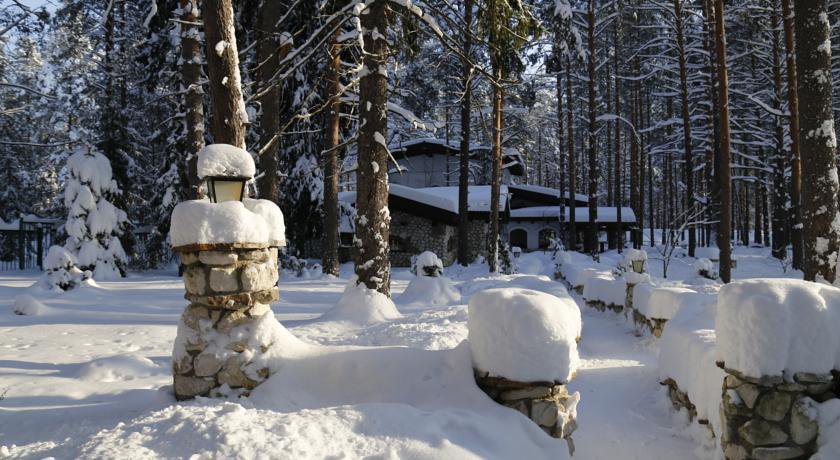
771,326
524,335
61,271
426,263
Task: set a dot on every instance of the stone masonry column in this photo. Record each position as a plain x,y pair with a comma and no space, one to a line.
229,287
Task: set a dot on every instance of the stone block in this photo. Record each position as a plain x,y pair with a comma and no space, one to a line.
258,310
762,433
217,257
258,277
190,387
193,315
807,377
803,428
544,412
526,393
749,393
206,364
773,405
257,255
231,319
236,301
232,375
730,381
224,279
267,296
195,280
183,365
735,452
777,453
189,258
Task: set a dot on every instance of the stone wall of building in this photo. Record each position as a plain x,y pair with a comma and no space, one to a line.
548,404
229,288
770,417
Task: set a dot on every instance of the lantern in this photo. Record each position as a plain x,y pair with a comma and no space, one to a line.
222,188
638,266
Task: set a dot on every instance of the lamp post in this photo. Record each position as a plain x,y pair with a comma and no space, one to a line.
221,188
639,266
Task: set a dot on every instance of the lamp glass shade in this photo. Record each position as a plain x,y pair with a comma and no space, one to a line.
226,189
638,266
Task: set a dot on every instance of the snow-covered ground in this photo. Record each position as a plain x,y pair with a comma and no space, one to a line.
90,376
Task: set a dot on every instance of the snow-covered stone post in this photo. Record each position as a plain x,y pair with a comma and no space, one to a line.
634,264
777,342
229,253
524,351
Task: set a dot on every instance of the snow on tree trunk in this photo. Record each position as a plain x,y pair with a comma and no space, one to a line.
796,157
817,140
229,115
94,224
191,85
373,219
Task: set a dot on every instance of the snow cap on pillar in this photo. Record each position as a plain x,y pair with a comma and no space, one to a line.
225,160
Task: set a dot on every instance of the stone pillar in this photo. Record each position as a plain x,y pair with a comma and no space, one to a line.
229,287
771,418
548,404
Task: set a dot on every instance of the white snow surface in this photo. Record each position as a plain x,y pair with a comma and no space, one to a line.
524,335
606,288
225,160
362,306
203,222
25,304
828,441
663,302
766,327
687,355
433,291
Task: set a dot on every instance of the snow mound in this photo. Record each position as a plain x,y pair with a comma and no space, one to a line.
687,355
225,160
829,440
432,291
707,252
767,326
362,306
203,222
272,216
604,287
524,335
119,368
427,263
663,302
26,305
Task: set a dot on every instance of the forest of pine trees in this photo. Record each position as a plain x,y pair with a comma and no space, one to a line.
713,120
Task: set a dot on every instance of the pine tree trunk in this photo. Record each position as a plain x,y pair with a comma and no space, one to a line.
816,134
570,143
713,152
688,167
592,228
270,52
638,122
796,163
496,173
634,173
561,158
619,162
724,175
329,258
193,92
464,157
373,220
780,238
229,116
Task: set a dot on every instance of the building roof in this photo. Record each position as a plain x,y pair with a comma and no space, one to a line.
605,214
546,194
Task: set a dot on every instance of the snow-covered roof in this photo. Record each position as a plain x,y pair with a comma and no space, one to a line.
605,214
546,191
445,198
225,160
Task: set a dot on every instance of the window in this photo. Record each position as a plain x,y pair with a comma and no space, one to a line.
519,237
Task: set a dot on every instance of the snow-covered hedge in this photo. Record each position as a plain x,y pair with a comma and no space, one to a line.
687,356
663,302
524,335
769,326
606,288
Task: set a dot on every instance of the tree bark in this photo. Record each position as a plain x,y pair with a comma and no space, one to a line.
229,116
496,174
464,158
561,163
816,134
688,167
619,162
796,162
373,266
724,177
570,143
270,51
329,258
193,92
779,224
592,228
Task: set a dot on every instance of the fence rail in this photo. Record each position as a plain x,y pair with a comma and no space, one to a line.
24,247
